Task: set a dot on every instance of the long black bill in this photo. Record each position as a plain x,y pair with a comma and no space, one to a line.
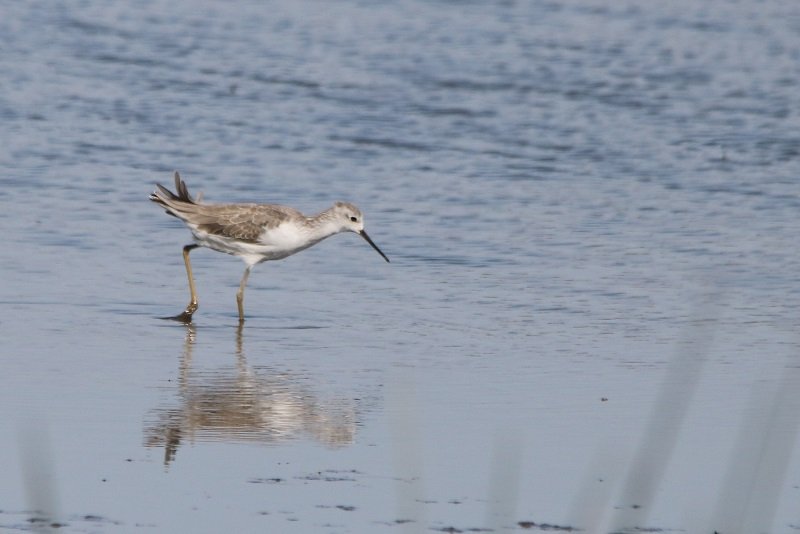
363,234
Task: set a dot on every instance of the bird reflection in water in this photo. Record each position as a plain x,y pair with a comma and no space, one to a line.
242,404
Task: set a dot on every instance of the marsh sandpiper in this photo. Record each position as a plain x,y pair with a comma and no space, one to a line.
254,232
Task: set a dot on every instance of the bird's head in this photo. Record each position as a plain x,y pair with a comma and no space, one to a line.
351,220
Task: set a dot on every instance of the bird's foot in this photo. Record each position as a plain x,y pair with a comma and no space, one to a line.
186,315
183,317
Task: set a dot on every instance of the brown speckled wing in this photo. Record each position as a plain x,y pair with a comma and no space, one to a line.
244,222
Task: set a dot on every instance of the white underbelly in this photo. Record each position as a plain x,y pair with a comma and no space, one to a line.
274,244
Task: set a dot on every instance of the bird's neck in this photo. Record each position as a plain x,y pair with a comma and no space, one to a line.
324,225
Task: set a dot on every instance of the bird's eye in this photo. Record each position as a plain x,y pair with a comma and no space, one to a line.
354,218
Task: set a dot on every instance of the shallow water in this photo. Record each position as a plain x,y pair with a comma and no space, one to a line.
589,321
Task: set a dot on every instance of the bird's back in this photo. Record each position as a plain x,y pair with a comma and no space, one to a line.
244,222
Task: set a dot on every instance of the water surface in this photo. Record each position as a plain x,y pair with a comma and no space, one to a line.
589,321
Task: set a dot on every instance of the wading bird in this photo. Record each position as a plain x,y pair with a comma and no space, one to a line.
254,232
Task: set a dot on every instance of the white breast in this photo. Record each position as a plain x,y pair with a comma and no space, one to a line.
273,243
286,240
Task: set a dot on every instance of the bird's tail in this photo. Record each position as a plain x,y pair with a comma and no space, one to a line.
175,204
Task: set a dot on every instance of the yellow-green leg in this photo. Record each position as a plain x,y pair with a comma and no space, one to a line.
186,316
240,293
